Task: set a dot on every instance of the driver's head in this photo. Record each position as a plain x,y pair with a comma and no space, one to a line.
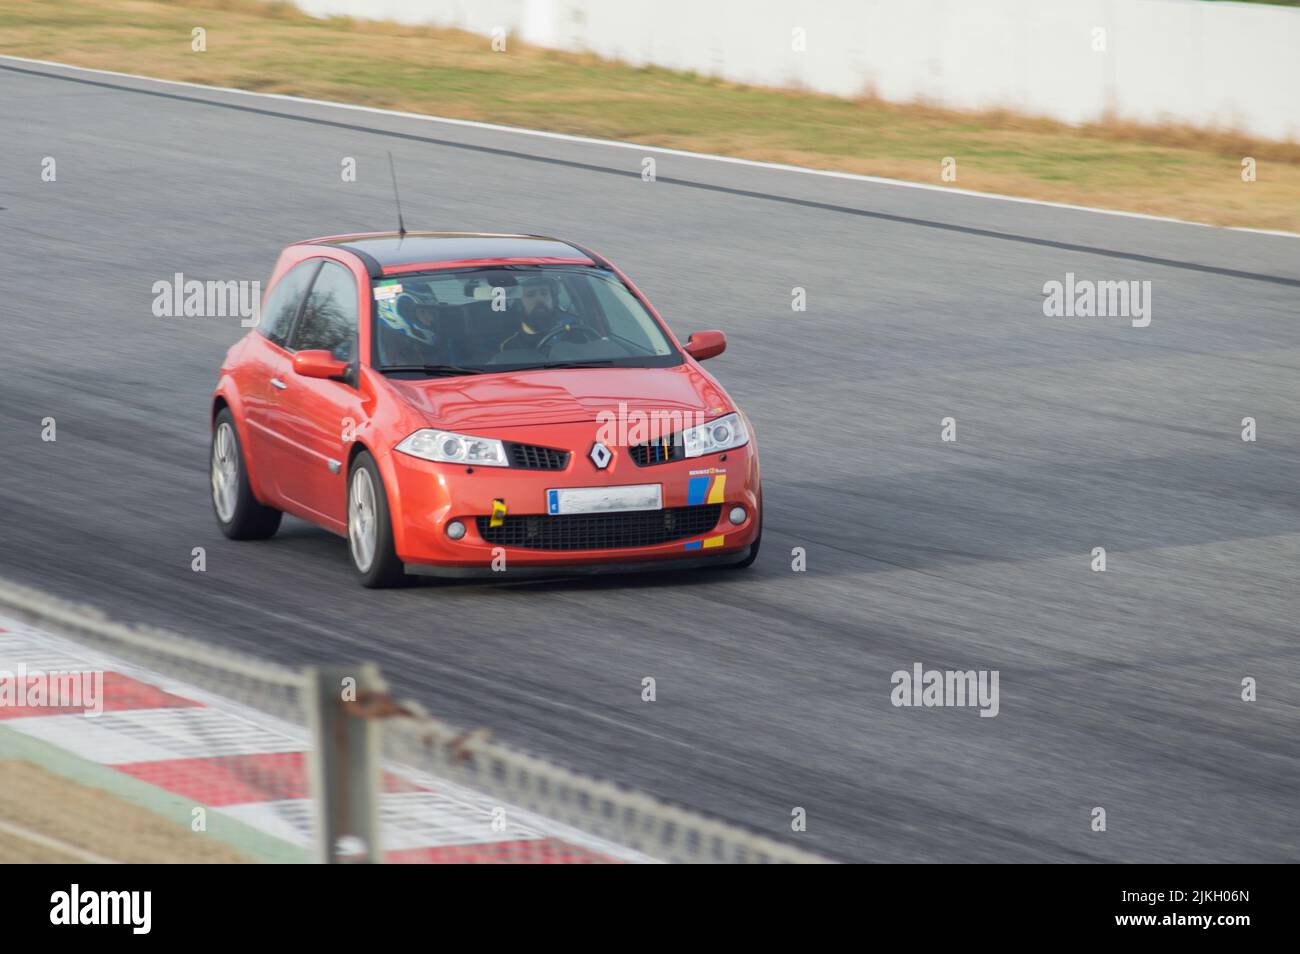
414,311
420,318
537,293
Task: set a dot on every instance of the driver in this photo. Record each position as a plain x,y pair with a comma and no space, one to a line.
538,313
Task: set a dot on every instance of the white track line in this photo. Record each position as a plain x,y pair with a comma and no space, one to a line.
660,150
155,735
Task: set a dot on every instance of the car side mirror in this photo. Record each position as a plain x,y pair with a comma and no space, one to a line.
319,364
706,344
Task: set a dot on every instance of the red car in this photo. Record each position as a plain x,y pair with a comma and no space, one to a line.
462,404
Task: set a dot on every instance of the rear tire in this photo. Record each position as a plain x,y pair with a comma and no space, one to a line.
370,527
239,514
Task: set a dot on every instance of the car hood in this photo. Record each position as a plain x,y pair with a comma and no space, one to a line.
558,396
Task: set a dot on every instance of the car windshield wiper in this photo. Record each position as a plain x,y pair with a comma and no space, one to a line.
597,363
640,348
433,369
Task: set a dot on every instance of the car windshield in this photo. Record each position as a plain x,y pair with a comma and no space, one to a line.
509,318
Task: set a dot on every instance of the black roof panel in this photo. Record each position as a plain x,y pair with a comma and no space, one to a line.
417,248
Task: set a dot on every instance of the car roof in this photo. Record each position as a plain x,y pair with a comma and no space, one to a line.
391,251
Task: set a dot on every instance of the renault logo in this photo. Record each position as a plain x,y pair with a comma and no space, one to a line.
600,455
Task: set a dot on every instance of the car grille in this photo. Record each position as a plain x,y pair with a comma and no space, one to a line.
660,452
532,457
600,531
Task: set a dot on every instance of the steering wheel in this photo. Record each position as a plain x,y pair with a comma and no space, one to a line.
587,332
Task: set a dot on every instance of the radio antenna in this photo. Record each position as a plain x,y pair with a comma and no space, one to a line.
401,226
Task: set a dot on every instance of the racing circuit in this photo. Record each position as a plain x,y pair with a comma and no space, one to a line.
1119,689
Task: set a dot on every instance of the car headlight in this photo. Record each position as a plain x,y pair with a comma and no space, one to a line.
723,434
448,448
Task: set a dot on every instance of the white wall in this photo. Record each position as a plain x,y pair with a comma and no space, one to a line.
1213,65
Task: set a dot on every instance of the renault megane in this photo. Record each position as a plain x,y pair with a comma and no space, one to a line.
459,404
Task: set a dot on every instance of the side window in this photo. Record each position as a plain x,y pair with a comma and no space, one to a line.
282,304
329,319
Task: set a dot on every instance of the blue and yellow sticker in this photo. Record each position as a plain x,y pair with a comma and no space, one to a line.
708,543
706,489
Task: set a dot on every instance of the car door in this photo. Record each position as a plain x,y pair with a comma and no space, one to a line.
316,417
267,362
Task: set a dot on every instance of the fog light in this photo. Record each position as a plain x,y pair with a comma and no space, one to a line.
737,515
455,530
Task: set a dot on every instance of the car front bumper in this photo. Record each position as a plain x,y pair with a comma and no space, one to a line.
425,497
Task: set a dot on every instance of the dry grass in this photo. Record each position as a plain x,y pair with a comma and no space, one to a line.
43,811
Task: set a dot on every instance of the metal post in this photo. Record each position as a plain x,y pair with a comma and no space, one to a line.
344,763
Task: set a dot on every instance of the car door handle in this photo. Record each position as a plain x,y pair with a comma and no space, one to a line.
277,383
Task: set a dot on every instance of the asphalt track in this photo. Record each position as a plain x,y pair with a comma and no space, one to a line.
1118,689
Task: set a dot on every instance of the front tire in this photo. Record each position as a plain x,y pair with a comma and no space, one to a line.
239,514
370,527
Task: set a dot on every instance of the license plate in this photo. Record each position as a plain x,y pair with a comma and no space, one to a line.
605,499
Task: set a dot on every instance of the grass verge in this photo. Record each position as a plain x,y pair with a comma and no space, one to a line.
48,819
